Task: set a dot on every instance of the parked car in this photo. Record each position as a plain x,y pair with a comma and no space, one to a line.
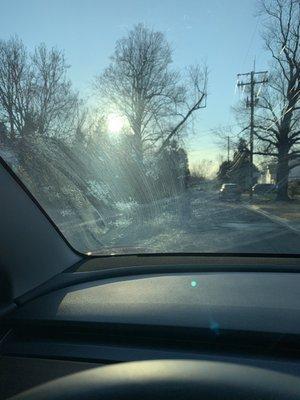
230,191
263,188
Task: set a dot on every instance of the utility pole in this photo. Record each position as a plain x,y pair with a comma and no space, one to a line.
228,148
251,105
250,80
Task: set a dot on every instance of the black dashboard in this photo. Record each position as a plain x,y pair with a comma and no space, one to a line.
250,318
248,302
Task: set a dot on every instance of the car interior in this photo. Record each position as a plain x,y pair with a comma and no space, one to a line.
181,326
150,200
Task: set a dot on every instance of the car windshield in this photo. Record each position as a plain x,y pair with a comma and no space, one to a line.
124,119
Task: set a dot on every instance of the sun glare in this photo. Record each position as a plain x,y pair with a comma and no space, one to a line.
115,123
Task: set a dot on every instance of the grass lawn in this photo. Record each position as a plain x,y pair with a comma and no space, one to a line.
287,210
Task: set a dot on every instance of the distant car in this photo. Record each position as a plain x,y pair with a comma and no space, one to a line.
230,191
263,188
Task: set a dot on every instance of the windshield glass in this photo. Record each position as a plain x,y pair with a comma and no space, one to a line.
126,118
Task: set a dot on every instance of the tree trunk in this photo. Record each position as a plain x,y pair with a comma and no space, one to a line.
138,147
282,174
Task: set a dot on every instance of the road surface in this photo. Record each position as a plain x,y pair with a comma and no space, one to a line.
200,223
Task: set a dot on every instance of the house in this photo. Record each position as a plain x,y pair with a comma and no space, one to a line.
270,174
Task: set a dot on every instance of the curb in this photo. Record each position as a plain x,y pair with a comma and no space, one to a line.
273,218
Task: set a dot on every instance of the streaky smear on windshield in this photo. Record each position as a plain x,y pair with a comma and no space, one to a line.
128,167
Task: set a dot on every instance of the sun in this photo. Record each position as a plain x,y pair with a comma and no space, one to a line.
115,123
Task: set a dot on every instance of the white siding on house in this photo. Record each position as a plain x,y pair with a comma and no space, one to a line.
271,174
269,177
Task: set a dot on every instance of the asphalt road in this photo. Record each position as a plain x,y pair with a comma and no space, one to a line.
231,227
203,224
197,222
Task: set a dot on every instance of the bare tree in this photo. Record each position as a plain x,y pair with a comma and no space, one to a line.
55,102
16,85
227,138
278,117
204,169
35,94
140,84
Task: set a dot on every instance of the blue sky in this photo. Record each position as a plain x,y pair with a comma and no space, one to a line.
222,33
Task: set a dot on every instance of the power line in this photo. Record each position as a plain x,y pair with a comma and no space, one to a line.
224,127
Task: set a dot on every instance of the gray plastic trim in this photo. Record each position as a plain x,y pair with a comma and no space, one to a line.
31,250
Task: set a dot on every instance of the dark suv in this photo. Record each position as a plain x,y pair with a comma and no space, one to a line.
230,191
264,188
